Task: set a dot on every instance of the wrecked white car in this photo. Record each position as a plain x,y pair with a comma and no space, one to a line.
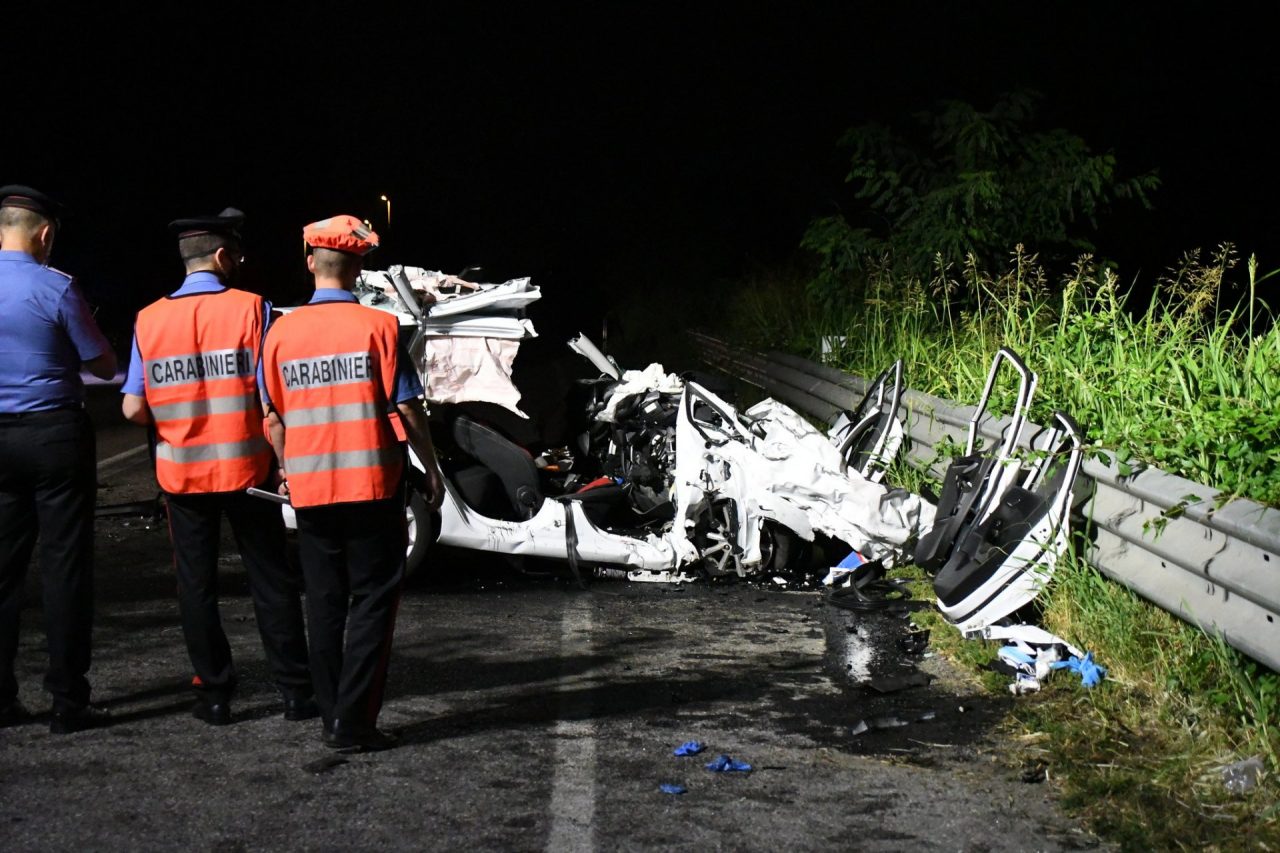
667,482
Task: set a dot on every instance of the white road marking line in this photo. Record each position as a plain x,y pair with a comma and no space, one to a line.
573,787
121,457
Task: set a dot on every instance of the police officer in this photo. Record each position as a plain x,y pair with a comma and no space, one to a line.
194,377
48,478
334,370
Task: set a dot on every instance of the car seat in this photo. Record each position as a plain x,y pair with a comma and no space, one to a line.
510,462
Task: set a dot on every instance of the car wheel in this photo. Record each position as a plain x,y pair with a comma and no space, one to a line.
715,535
420,525
781,549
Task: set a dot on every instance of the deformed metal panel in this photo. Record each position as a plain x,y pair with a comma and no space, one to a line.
1163,536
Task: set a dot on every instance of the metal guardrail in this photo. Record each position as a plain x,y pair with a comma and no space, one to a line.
1163,536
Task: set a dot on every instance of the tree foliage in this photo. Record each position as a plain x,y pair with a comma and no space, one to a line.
966,182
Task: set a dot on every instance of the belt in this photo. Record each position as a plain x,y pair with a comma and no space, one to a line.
14,417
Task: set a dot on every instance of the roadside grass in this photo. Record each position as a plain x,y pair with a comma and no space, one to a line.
1187,381
1140,755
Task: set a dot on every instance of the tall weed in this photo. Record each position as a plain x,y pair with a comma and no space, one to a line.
1185,378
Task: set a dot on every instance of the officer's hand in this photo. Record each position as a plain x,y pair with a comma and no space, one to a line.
433,494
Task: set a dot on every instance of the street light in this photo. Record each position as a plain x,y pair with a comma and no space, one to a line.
388,201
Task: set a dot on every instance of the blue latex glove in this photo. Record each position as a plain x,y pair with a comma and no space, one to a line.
668,788
1090,673
725,763
689,747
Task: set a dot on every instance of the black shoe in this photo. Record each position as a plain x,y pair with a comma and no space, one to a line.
14,714
357,737
299,708
66,721
216,713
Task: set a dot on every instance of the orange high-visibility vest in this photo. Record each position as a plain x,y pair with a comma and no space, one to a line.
200,357
330,371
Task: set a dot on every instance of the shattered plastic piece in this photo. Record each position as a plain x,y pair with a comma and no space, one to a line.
915,642
610,574
660,576
689,747
1242,777
885,722
837,577
725,764
894,683
890,721
1090,673
1023,684
670,788
1029,635
840,573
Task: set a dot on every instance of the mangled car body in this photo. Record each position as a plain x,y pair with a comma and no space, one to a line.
667,480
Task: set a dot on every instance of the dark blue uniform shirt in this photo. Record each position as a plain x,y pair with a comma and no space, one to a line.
46,332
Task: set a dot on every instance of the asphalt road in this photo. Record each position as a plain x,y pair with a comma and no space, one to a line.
533,716
115,435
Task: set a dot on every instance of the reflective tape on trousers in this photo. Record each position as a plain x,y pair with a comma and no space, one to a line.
204,407
318,415
210,452
317,462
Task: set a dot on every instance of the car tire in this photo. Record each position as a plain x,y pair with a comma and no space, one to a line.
421,527
782,549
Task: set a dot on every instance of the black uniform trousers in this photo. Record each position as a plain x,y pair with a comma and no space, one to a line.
48,485
195,526
353,562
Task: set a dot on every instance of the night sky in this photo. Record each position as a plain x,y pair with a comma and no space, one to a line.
599,148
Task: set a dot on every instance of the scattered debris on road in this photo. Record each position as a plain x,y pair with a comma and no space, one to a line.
726,764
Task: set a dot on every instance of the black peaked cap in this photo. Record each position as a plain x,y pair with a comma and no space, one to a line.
28,198
227,223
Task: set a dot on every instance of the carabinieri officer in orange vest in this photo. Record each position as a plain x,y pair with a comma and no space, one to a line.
333,371
194,376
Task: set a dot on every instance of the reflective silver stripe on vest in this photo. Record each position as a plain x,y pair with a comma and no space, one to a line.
318,415
382,458
199,367
205,406
343,368
210,452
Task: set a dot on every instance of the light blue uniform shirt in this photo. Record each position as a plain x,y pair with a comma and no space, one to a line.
196,282
46,332
408,385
